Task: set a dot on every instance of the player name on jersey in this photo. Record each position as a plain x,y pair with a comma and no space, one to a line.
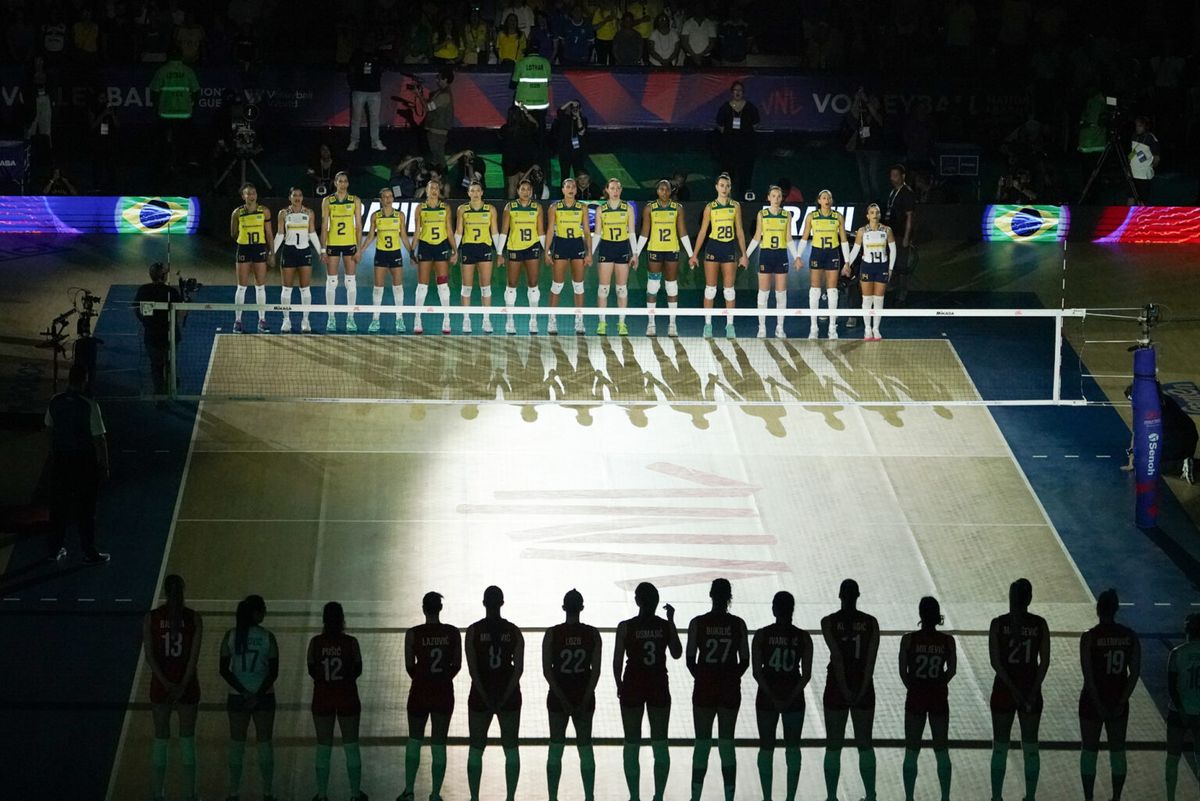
434,642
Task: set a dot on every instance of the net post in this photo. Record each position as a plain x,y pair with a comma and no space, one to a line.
1056,392
172,355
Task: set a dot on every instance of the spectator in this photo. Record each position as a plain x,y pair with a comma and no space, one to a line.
699,37
791,193
321,171
643,16
865,140
439,117
578,38
174,91
1143,160
522,11
679,188
541,40
537,176
734,37
900,215
826,49
737,121
78,461
154,36
584,188
665,48
54,35
156,325
477,39
448,48
520,146
467,167
59,184
1016,187
627,44
85,38
569,133
606,21
417,47
364,77
245,47
510,42
189,38
103,125
531,77
39,117
407,176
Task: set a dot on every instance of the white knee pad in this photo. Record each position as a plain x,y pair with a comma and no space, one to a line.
485,291
577,287
602,291
730,293
672,288
710,292
653,283
622,291
556,287
465,291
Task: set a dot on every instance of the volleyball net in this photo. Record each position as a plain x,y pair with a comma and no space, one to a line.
923,356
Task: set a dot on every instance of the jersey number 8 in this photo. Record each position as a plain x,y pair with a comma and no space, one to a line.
494,657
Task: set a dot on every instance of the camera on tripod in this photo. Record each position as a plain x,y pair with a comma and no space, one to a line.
245,135
188,287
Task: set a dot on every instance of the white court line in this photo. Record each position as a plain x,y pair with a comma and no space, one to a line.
162,569
567,513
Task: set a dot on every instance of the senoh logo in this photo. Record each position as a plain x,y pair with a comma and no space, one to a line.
1152,454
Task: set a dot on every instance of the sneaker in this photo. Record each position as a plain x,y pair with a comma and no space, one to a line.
762,331
407,795
286,328
380,146
651,330
97,558
238,328
833,334
487,324
551,325
305,326
400,326
1188,473
779,332
57,557
813,333
672,329
262,326
602,328
360,797
351,326
729,332
533,324
876,336
510,327
579,328
622,329
446,324
350,148
373,328
707,333
331,324
418,328
466,326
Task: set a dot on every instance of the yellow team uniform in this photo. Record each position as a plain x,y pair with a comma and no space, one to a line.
388,240
569,220
664,231
477,225
252,226
433,232
341,239
775,233
721,221
522,229
826,242
614,223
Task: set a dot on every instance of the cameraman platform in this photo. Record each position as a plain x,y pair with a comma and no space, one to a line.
156,325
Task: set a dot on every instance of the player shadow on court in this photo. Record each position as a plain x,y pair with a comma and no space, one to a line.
745,384
681,382
861,383
479,375
804,384
581,381
627,381
524,380
889,373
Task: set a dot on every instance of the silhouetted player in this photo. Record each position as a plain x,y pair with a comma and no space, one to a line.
1111,657
1019,643
928,661
335,663
1183,688
644,642
781,657
495,659
432,657
571,653
718,653
853,640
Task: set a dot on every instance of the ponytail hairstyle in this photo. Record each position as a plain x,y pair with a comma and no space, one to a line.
333,619
244,620
173,589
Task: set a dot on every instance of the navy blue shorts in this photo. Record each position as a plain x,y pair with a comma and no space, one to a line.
342,250
528,254
825,259
430,252
293,257
773,260
473,254
720,252
872,271
614,252
251,254
563,248
389,258
664,255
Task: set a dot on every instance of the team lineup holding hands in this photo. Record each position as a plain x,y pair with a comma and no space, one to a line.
718,652
564,238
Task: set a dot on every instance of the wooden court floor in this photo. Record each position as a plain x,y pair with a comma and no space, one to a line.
375,504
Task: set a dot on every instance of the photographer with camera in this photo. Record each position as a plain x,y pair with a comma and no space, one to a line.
569,134
156,325
1016,187
1143,160
322,170
439,117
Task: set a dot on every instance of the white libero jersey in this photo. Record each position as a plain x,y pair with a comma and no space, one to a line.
875,245
295,226
252,665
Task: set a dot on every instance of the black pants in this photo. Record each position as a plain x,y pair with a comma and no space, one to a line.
570,161
74,481
603,51
157,351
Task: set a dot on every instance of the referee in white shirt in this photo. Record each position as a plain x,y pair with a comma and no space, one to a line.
78,460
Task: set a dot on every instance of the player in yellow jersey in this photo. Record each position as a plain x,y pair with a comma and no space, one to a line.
295,234
663,231
774,231
341,230
721,228
525,239
570,245
830,251
614,221
435,250
878,247
477,235
389,233
250,226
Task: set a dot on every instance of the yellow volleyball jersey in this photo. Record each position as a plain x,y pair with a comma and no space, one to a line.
477,225
341,220
614,223
664,228
721,221
522,226
569,220
387,232
432,223
824,229
775,233
252,226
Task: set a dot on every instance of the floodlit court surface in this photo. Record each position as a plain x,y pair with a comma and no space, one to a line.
374,504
